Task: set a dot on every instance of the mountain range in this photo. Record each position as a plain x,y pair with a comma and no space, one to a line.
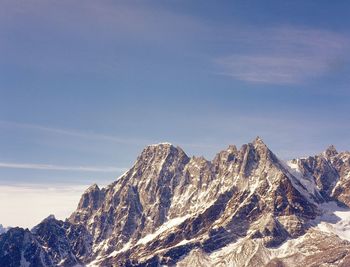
246,207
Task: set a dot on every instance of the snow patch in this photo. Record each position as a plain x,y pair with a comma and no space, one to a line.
308,187
164,227
227,249
335,220
125,248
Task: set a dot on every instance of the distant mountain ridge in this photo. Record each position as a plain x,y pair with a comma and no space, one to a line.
244,208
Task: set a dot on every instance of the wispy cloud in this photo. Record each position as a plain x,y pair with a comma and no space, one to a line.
271,68
36,166
76,133
284,55
98,136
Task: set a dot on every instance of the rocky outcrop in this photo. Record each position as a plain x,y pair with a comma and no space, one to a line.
330,171
67,244
18,247
50,243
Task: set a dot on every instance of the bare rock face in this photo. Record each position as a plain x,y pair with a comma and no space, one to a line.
341,190
271,231
331,173
90,202
167,199
321,169
68,244
18,247
243,208
50,243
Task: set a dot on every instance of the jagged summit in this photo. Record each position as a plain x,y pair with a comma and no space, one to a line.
162,144
51,217
159,154
243,208
48,218
331,151
258,143
158,148
93,187
231,148
258,140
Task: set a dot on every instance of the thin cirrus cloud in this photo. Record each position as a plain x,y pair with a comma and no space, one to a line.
94,136
75,133
272,68
284,55
35,166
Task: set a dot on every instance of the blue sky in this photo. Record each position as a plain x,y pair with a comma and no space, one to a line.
85,85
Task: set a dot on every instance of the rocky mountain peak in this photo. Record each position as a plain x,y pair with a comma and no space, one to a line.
260,146
92,188
331,151
51,217
258,141
91,197
258,151
159,147
226,155
160,152
231,149
48,220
